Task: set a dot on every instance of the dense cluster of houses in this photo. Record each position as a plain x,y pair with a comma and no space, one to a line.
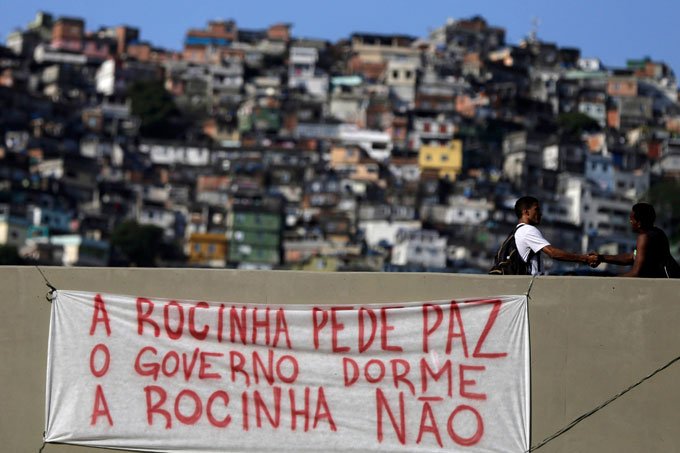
376,152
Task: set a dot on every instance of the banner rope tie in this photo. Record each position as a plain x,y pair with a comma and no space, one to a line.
50,294
601,406
531,284
43,444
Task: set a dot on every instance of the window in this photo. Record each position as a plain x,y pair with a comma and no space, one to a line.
408,74
197,248
212,249
395,74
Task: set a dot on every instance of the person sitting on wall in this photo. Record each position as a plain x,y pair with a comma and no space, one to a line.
652,255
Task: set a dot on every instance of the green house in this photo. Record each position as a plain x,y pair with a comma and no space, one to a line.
255,232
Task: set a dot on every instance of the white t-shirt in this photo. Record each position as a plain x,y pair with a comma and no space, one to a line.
528,238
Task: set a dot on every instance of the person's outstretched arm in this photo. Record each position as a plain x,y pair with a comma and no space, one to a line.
562,255
622,259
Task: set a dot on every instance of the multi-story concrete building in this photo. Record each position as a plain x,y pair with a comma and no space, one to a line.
419,249
304,74
255,232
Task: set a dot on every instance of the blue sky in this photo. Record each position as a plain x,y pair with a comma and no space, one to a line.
613,30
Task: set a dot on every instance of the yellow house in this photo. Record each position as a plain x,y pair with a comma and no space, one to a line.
446,159
207,249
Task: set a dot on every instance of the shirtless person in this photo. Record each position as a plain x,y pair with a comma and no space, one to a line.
652,256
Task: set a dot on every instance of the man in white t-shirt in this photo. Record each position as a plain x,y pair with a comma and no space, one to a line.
531,243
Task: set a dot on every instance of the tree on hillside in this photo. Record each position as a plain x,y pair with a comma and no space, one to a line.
141,244
573,124
665,197
9,256
160,117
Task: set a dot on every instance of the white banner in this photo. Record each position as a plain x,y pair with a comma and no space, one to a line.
155,374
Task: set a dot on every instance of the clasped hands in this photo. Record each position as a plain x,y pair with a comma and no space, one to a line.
594,259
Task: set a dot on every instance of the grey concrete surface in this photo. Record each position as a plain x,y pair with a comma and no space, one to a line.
590,339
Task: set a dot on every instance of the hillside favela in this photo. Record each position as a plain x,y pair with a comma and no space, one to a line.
258,149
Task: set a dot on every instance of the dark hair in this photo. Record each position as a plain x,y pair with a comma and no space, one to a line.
524,203
645,214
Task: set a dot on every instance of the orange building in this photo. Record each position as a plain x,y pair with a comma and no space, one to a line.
279,32
622,86
68,34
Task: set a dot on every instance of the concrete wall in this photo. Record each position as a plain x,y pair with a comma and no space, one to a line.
590,339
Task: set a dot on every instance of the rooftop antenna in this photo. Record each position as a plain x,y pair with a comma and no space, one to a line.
535,22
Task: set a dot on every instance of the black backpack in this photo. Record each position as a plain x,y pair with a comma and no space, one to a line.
508,261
